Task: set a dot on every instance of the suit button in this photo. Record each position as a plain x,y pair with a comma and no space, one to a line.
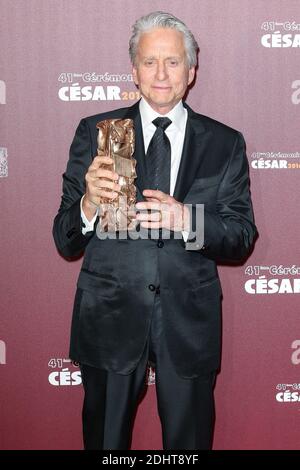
160,243
151,287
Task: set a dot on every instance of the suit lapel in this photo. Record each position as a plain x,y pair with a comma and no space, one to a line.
196,139
194,152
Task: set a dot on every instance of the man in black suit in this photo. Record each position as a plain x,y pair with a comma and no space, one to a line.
146,299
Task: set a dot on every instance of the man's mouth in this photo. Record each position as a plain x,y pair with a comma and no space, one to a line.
161,88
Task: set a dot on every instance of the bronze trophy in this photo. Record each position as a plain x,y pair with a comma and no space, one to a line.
116,140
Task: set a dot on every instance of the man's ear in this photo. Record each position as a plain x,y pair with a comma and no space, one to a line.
135,75
191,75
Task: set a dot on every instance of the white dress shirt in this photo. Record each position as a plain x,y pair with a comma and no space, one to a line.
175,132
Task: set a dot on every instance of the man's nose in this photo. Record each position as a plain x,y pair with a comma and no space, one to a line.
161,71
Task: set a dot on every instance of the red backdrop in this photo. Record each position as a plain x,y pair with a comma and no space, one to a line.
63,60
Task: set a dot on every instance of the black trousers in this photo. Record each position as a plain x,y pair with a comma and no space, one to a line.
185,406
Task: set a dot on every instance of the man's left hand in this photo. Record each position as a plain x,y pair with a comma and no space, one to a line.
163,212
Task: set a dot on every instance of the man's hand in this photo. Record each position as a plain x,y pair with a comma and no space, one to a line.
164,212
100,183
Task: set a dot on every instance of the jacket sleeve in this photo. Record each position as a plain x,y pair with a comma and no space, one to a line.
228,226
67,226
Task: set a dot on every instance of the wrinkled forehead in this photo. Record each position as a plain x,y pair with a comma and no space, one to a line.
158,42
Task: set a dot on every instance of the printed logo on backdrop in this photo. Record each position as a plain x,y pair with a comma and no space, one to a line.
91,86
295,357
2,352
275,160
296,94
2,92
150,375
272,279
290,392
3,162
64,373
280,34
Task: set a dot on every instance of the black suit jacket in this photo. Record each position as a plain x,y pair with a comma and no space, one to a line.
113,302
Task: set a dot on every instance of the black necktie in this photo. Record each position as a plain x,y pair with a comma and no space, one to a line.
158,158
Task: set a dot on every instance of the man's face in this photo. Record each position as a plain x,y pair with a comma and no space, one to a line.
161,70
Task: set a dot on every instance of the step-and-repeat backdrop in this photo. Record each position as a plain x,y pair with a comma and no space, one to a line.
62,60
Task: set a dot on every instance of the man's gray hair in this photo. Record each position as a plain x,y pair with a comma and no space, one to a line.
160,19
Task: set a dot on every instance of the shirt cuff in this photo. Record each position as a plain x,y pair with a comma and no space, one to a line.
185,235
89,224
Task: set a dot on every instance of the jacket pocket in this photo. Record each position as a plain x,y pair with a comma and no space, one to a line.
98,283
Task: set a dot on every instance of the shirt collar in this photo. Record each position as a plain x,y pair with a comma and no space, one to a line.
177,115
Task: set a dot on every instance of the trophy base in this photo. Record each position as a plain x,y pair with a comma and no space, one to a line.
116,217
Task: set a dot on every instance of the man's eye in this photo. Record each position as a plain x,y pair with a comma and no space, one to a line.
149,62
173,62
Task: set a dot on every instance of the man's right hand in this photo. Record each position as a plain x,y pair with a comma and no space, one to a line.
100,183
